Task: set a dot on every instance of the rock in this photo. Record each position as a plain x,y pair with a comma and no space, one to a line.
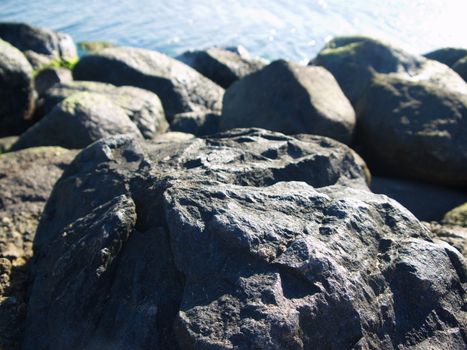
197,123
414,129
143,107
292,99
26,180
45,42
460,67
427,202
88,47
6,143
222,66
449,55
16,90
457,216
180,88
48,77
355,60
173,136
227,250
78,121
452,234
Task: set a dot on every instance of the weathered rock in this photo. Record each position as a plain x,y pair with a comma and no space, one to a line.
173,136
48,77
453,234
88,47
197,123
222,66
143,107
355,60
457,216
16,90
414,129
427,202
78,121
292,99
449,55
26,180
225,250
45,42
460,67
6,143
180,88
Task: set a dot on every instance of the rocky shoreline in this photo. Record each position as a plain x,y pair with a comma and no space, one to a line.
218,201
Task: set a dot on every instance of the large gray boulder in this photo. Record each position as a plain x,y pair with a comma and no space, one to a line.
199,123
16,90
39,43
226,250
355,60
180,87
26,180
448,55
414,129
78,121
222,66
292,99
143,107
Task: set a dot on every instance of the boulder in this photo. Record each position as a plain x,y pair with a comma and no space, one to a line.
355,60
6,143
449,55
197,123
460,67
180,88
26,180
48,77
454,235
292,99
143,107
426,201
16,90
414,129
78,121
457,216
222,66
52,46
239,240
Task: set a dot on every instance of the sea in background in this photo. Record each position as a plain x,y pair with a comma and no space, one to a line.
289,29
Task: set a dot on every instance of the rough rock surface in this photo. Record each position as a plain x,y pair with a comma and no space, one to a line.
457,216
292,99
414,129
426,201
78,121
222,66
16,90
449,55
215,244
48,77
180,87
461,68
6,143
199,123
455,235
41,41
355,60
26,180
143,107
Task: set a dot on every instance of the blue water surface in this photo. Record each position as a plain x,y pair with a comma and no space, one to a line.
293,29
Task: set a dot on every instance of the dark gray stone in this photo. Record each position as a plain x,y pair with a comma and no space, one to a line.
180,88
16,90
414,129
460,67
78,121
45,42
197,123
222,66
427,202
449,55
292,99
152,247
143,107
48,77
